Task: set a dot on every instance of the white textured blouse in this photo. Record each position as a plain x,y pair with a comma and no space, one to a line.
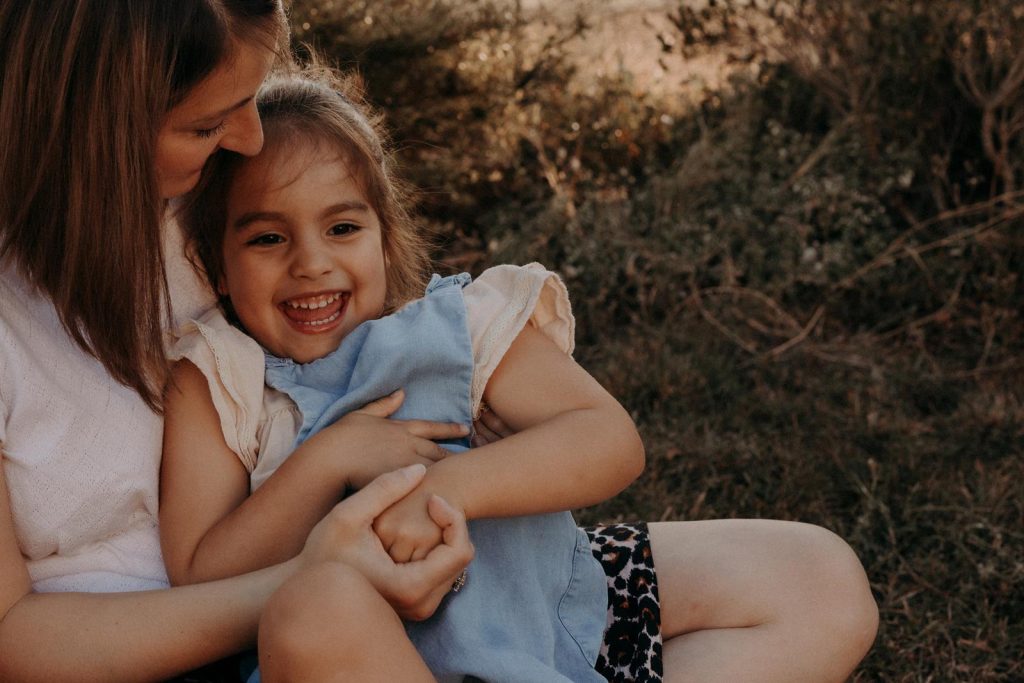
81,452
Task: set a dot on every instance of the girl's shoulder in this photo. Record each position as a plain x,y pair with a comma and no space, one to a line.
505,298
501,302
233,365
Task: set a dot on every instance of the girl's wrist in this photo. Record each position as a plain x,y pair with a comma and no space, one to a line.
326,460
443,479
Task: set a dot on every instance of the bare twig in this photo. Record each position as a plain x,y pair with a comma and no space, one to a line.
695,297
942,313
819,152
786,346
890,254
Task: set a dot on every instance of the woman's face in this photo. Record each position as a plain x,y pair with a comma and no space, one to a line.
218,113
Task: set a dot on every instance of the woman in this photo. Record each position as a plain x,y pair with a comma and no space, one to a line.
111,107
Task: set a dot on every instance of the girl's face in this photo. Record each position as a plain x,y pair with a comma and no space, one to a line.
218,113
303,254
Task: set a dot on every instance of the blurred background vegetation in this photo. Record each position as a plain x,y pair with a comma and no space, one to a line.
795,256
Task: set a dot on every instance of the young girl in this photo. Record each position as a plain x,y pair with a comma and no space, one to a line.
309,246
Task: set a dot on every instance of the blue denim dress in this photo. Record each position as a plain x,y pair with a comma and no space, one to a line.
534,606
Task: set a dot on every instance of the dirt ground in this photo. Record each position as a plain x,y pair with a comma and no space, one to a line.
638,39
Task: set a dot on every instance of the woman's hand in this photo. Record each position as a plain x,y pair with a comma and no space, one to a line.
414,589
489,428
407,529
375,444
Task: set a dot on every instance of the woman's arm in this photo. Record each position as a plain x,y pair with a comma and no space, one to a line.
574,446
211,528
154,635
125,637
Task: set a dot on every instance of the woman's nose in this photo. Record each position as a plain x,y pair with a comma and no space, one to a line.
245,132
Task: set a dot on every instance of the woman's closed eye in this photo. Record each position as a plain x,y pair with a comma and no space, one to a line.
210,132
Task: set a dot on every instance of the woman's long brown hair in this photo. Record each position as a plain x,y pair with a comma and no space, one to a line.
84,88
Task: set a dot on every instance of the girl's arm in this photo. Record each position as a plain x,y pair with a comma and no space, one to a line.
574,446
212,528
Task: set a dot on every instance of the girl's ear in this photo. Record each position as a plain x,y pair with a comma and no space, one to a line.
222,288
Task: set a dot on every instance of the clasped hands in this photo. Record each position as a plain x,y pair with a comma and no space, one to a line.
409,543
407,530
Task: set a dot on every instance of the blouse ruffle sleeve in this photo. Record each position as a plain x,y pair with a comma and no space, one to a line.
500,303
233,366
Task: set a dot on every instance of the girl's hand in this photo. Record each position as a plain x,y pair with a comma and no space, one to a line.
414,589
489,428
376,444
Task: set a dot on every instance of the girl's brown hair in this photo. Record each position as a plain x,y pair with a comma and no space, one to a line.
316,108
84,88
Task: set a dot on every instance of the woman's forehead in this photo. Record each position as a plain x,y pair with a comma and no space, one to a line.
231,85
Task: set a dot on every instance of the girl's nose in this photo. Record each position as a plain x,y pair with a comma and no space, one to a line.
245,132
309,260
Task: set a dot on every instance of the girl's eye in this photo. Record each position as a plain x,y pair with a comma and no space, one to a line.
266,239
340,229
210,132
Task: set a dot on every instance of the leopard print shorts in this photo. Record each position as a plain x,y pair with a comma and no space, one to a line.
631,651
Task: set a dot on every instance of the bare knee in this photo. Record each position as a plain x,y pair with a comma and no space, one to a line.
316,622
834,594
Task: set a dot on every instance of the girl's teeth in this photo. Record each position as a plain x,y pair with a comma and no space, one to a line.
319,302
315,311
329,319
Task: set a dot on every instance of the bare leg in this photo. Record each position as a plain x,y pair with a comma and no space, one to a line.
760,600
329,624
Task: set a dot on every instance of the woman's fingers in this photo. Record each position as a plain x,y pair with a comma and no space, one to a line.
482,435
369,502
443,514
438,570
455,534
489,428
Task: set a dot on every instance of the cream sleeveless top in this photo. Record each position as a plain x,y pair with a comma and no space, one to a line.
81,453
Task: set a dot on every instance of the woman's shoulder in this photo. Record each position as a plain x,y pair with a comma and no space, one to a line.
25,313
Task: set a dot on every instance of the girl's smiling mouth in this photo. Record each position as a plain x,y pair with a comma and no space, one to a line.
316,313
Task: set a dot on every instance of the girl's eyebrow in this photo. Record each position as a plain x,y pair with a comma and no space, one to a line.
251,217
342,207
254,217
